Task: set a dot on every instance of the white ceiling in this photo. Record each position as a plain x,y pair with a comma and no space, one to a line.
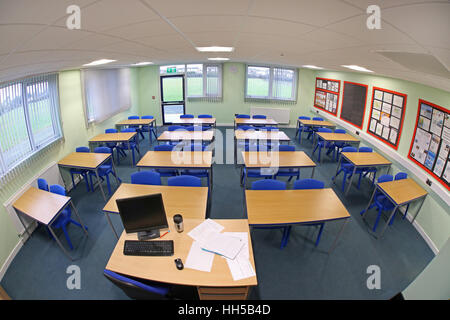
327,33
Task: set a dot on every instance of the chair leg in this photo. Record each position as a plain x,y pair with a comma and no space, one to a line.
344,180
87,182
77,224
377,220
67,237
359,180
73,181
320,234
406,211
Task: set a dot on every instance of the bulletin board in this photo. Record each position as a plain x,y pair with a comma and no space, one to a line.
354,103
327,95
386,116
430,145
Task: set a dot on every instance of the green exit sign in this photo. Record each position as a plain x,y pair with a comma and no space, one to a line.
172,70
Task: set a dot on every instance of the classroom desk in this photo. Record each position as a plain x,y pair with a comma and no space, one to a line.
331,137
217,284
254,135
251,121
120,137
137,122
183,135
87,161
270,159
195,121
44,207
400,193
312,124
190,202
361,160
294,207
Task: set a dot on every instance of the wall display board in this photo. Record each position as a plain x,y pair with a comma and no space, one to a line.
386,116
430,145
327,95
354,103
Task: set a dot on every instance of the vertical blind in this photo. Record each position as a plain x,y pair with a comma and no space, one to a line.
29,118
106,93
204,81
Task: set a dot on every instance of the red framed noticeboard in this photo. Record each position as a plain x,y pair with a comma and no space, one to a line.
326,96
386,116
430,146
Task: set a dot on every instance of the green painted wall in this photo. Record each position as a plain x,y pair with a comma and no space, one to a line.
75,134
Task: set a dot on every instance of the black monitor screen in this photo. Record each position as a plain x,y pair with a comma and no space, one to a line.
143,213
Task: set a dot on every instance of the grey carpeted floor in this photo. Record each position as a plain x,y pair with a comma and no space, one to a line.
299,271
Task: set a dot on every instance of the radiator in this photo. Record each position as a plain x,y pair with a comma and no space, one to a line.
280,115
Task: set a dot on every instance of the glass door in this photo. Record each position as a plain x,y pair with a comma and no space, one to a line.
172,98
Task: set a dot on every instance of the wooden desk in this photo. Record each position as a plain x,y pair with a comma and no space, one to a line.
360,160
195,121
190,202
217,284
286,160
251,121
312,124
137,122
183,135
291,207
44,207
120,137
88,161
331,137
254,135
400,193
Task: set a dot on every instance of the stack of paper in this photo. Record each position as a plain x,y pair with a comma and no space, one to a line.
208,241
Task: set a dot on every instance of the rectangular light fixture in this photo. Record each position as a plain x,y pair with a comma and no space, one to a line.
98,62
215,49
356,68
218,59
312,67
144,63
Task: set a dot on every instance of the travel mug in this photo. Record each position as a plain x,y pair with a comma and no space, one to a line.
178,220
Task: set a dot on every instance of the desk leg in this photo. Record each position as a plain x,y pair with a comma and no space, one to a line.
235,150
387,222
111,225
351,180
337,169
115,171
23,224
79,218
59,243
370,201
99,184
312,173
338,236
131,155
418,209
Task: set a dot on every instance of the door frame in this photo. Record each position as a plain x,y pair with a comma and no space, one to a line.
183,102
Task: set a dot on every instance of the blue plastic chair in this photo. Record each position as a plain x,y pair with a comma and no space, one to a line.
363,172
321,144
301,128
113,145
381,202
204,116
346,168
42,184
146,177
186,116
207,126
137,128
83,173
243,116
259,116
314,129
104,170
165,172
64,217
253,173
200,173
176,127
245,127
269,129
184,181
133,144
287,172
150,128
338,145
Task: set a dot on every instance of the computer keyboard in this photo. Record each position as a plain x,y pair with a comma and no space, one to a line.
148,248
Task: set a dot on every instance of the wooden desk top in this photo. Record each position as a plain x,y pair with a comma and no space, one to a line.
113,137
135,122
260,135
331,136
366,158
195,121
316,123
41,205
84,160
162,269
251,121
403,191
255,159
176,159
186,135
190,202
271,207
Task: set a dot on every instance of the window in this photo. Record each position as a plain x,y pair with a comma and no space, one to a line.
271,83
106,92
29,118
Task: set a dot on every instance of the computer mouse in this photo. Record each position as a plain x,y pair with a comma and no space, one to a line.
179,264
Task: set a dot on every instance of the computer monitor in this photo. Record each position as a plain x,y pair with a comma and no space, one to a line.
143,214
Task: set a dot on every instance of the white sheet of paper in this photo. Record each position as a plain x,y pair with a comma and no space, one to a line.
398,101
203,231
378,94
225,245
199,259
240,268
245,252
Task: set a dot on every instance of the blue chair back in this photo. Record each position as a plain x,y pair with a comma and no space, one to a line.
194,147
111,130
56,188
133,117
42,184
304,118
186,116
204,116
401,176
184,181
176,127
245,128
147,117
318,119
83,149
385,178
194,128
286,147
259,116
308,184
269,128
164,147
269,184
349,149
340,131
102,150
128,130
243,116
365,149
146,177
324,130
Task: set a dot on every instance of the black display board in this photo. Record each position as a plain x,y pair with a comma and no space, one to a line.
354,103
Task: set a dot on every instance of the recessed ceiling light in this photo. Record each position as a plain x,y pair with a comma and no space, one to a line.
357,68
98,62
218,59
145,63
311,67
215,49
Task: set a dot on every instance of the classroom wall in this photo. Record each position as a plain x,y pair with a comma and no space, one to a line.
75,134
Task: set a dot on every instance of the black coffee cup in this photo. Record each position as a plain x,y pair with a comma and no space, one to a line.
178,220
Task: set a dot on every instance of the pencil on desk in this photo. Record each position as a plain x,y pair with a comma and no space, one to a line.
164,234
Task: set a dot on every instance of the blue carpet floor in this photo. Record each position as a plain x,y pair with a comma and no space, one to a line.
299,271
